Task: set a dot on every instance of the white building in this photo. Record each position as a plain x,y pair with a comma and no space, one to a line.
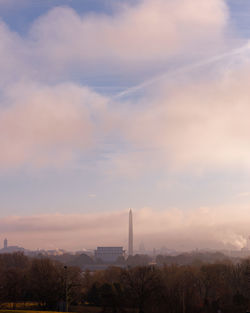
109,254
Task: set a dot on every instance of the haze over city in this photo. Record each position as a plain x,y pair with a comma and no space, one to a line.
118,104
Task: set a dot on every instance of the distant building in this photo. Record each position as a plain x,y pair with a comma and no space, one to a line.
109,254
10,249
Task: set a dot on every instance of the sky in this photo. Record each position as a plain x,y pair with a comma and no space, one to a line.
109,105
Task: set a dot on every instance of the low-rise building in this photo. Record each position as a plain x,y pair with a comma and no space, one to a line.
109,254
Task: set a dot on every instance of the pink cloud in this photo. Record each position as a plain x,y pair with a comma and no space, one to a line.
50,125
194,122
43,125
143,35
152,30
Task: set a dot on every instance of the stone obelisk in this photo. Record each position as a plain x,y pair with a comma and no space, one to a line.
130,234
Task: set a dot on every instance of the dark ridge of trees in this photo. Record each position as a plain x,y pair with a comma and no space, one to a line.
200,287
39,280
140,259
190,258
80,260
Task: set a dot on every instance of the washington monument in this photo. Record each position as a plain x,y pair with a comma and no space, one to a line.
130,234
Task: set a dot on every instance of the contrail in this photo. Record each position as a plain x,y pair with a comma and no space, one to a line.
182,69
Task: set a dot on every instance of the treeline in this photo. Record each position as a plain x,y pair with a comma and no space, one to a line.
43,281
192,257
197,288
82,260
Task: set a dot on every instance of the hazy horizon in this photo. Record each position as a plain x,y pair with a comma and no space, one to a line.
204,228
110,105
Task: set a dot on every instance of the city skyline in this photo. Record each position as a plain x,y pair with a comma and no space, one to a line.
187,232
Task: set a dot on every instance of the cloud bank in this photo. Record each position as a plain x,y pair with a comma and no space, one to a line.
47,118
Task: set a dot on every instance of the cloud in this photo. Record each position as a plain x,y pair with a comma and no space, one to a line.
197,120
149,31
193,120
214,228
48,125
13,56
140,36
176,127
